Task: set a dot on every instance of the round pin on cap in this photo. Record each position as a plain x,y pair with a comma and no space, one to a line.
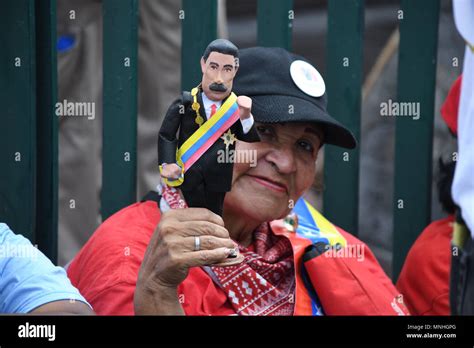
307,78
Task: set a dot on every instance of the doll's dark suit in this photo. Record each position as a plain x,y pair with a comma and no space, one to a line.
207,181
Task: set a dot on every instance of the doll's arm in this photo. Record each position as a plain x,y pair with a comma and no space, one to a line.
246,129
167,142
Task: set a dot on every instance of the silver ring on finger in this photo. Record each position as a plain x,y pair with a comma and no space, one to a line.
197,243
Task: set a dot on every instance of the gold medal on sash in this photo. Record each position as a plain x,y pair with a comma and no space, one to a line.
199,120
195,106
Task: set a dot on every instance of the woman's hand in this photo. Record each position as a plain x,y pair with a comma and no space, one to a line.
171,252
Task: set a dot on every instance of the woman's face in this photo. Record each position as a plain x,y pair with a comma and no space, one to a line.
284,170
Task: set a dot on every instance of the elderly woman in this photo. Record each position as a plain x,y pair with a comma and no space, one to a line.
141,261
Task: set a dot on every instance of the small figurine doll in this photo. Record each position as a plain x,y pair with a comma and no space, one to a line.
208,120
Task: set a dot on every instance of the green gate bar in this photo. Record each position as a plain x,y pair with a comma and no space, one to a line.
343,86
199,28
47,129
414,138
18,118
275,23
119,152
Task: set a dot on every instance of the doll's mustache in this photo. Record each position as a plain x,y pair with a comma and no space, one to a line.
217,87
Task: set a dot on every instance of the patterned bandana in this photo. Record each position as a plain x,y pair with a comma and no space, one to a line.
264,283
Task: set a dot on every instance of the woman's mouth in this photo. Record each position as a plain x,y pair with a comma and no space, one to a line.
270,184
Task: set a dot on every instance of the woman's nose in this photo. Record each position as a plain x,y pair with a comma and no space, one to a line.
284,160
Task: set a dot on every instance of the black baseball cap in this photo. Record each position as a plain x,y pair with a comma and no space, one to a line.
285,87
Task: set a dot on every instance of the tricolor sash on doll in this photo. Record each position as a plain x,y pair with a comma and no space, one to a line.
202,139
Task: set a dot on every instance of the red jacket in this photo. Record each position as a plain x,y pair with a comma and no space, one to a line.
106,270
347,282
424,279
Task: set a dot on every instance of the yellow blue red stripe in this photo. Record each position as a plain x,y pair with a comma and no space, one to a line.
196,145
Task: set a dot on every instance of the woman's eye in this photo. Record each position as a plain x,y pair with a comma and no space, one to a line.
266,131
307,146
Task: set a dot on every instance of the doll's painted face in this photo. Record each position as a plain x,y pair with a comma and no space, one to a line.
218,73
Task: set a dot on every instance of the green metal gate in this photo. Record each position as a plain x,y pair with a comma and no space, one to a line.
28,92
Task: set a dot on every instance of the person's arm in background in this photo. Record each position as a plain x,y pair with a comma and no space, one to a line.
30,283
463,185
63,307
462,263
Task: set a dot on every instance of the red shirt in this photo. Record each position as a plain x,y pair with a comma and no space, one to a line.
105,270
424,280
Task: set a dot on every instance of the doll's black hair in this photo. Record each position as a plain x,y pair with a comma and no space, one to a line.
222,46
